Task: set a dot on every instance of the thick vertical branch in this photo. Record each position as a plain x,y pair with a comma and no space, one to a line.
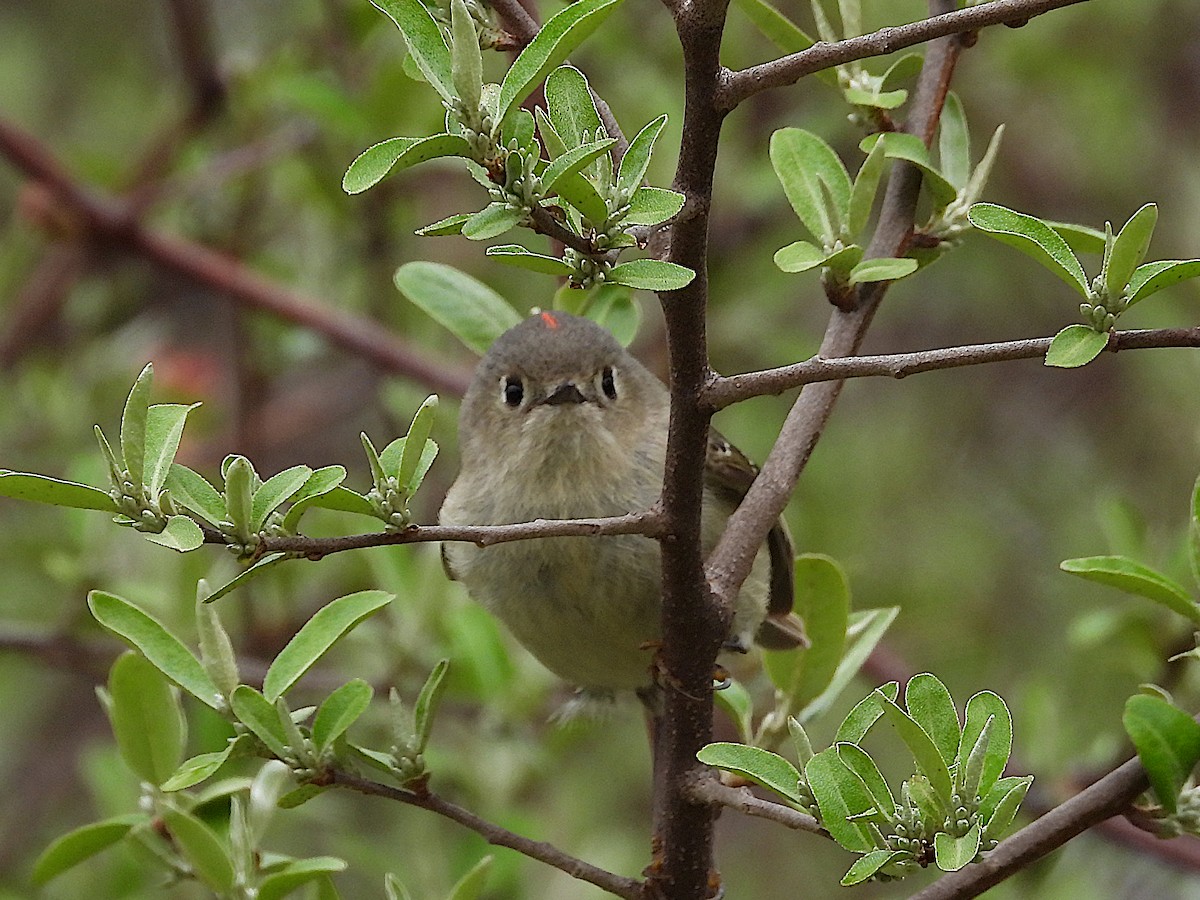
692,628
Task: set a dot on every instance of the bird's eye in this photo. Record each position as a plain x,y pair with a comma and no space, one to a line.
608,384
512,391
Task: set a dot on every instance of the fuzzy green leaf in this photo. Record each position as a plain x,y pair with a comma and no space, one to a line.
984,706
1075,346
636,160
952,853
651,275
466,62
472,311
735,701
472,884
862,194
491,221
865,714
882,268
44,489
164,428
860,763
447,226
81,844
321,482
840,796
573,161
203,849
870,863
565,30
924,750
296,874
1134,578
200,767
781,31
216,649
327,626
1001,804
180,533
193,492
275,491
770,770
1167,741
799,256
425,709
259,715
146,719
516,255
1154,276
572,111
910,148
426,46
1129,249
416,442
260,565
867,628
651,206
1080,238
929,703
814,179
158,645
1032,237
133,425
954,142
339,711
875,99
396,154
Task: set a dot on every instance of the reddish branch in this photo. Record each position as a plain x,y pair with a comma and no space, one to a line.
110,221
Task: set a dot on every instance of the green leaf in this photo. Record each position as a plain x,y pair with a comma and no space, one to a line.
339,711
193,492
882,268
475,313
613,306
800,256
566,30
1168,744
875,99
80,844
573,161
133,425
466,62
345,500
157,644
179,533
1001,804
581,194
491,221
922,747
910,148
396,154
781,31
298,873
860,763
267,561
870,863
1129,249
203,849
770,770
954,142
1154,276
651,275
651,206
1075,346
327,626
216,649
840,794
979,178
201,767
447,226
1032,237
394,889
636,160
865,714
391,460
1080,238
516,255
164,428
572,111
814,179
321,482
425,708
258,714
472,884
1134,578
416,442
239,495
735,701
275,491
146,719
301,795
552,141
984,706
426,46
866,629
822,600
930,704
952,853
44,489
862,194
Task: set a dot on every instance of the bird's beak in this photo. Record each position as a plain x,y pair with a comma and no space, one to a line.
565,393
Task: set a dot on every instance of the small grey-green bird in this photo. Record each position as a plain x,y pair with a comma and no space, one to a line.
561,422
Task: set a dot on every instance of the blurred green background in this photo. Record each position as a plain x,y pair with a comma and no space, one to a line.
953,495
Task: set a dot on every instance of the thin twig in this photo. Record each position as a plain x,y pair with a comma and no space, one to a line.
516,19
789,69
647,523
722,392
710,790
111,221
620,885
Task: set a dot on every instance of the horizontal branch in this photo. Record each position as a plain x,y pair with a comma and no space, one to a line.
110,220
648,523
621,886
821,55
1109,796
708,789
724,391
